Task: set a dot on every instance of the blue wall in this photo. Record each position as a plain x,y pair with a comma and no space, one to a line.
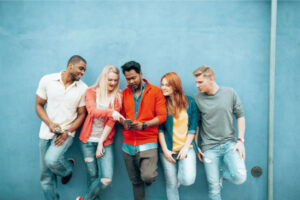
38,37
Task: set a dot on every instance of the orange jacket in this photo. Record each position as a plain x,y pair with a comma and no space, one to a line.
93,112
153,104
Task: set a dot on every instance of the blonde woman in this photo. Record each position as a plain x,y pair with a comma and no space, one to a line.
103,103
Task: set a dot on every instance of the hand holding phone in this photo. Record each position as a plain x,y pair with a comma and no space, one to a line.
58,131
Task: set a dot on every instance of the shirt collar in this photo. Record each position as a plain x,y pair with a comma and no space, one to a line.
58,77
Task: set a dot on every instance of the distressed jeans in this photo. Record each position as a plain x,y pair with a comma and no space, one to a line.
97,168
220,162
53,163
183,172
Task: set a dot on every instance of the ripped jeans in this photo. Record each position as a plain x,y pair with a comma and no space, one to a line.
220,162
97,169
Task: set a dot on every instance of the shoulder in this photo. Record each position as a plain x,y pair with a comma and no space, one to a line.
198,95
228,90
82,86
49,77
91,90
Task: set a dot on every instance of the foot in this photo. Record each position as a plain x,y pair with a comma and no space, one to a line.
66,179
79,198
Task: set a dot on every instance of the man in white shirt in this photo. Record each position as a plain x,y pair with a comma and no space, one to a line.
64,95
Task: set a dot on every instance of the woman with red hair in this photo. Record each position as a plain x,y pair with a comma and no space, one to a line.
176,136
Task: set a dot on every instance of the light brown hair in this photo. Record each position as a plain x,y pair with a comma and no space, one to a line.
205,71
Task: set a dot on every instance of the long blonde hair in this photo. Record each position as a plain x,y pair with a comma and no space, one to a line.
102,94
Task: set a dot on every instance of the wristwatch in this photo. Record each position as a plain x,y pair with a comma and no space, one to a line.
241,139
144,126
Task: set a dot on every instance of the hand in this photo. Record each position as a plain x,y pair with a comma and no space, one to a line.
53,126
200,155
125,125
100,150
241,148
137,126
183,153
168,156
117,116
60,140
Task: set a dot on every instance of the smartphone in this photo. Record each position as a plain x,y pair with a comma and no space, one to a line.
128,121
174,155
58,131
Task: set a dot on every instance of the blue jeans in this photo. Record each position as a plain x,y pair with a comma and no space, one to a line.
97,168
52,163
182,172
220,162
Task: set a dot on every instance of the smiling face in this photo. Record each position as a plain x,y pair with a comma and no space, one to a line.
77,70
166,89
112,81
133,79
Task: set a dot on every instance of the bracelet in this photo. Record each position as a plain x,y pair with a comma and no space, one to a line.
241,140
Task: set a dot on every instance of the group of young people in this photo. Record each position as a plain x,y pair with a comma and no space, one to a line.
156,123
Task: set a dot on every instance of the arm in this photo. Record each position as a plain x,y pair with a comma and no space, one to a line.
90,102
40,110
139,125
241,126
183,152
99,152
200,154
160,112
167,152
59,140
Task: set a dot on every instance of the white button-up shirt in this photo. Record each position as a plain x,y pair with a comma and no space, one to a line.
62,103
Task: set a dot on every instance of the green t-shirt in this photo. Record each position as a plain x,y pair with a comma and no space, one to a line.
216,116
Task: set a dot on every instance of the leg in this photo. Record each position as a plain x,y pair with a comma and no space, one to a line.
212,169
105,164
134,176
55,159
89,154
148,165
187,169
170,171
235,170
48,178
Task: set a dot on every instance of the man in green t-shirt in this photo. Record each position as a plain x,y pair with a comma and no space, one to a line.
222,154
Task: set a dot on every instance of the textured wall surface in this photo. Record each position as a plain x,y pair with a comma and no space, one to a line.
38,37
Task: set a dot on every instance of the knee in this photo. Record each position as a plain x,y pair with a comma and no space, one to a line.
240,177
148,178
106,181
51,161
187,180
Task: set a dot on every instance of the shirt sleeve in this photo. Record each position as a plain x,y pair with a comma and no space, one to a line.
160,107
193,118
42,88
237,106
90,103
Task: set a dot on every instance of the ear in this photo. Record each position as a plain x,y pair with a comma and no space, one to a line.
141,74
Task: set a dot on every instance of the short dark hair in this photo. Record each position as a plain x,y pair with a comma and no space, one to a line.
75,59
131,65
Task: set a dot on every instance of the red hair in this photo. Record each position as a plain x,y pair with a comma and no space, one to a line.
178,100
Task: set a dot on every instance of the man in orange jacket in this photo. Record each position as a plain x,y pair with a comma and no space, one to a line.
144,108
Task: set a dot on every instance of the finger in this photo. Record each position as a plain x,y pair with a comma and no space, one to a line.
235,148
199,157
122,117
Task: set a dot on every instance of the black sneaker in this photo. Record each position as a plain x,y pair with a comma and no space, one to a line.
66,179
